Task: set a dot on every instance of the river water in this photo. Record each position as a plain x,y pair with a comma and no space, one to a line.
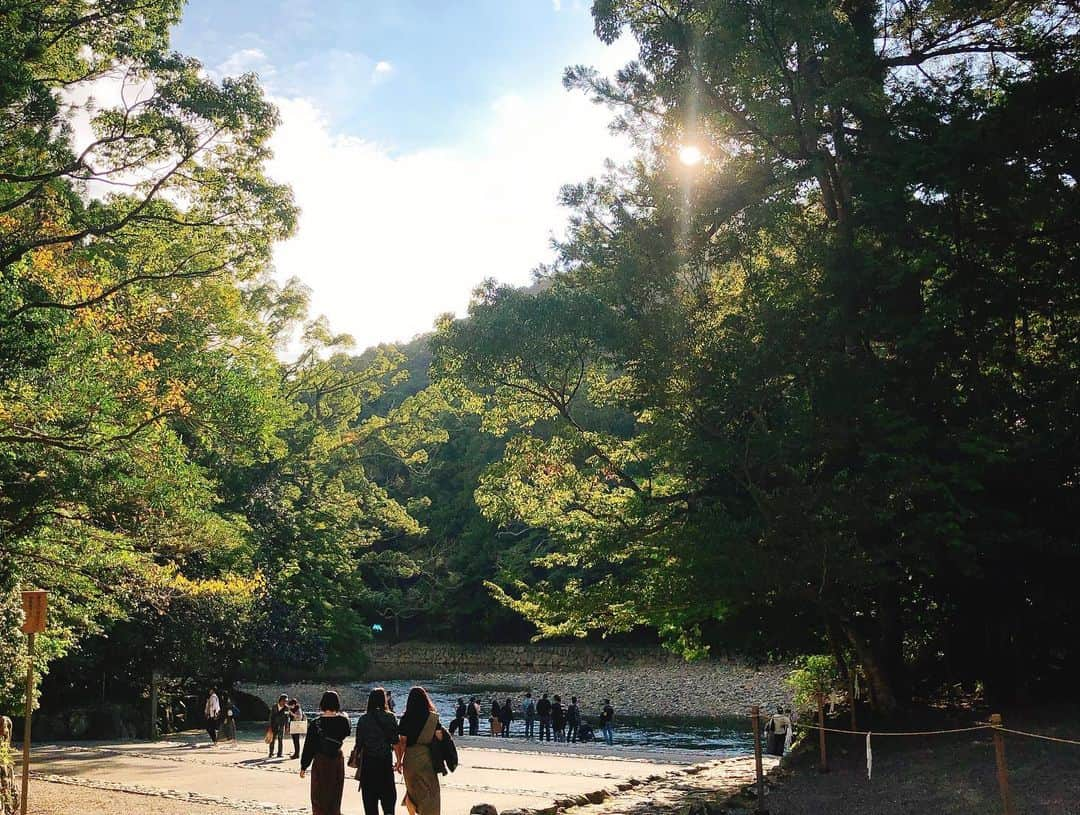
715,737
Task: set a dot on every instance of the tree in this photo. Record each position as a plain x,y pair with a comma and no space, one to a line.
842,339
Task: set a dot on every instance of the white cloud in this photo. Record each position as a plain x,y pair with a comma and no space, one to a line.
388,241
382,70
246,60
556,4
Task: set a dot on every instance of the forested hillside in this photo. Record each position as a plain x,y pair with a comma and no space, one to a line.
802,377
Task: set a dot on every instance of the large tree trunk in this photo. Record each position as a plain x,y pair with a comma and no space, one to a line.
883,693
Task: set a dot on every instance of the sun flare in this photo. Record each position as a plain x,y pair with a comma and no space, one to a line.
690,155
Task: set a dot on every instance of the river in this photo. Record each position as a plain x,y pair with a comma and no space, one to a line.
721,738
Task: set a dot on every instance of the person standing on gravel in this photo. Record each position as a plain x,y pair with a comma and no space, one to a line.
607,722
528,711
558,719
457,725
474,717
543,711
573,720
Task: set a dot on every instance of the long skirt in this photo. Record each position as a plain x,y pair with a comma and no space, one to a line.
775,745
421,782
327,783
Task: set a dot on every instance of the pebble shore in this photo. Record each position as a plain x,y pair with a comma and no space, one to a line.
716,688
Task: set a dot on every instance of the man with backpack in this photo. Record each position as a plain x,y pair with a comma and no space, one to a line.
528,711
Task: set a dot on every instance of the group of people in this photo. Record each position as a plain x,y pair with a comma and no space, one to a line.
557,722
287,720
414,746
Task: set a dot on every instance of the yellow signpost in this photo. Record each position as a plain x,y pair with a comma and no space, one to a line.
35,607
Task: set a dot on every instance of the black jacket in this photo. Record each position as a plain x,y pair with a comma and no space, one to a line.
444,753
543,708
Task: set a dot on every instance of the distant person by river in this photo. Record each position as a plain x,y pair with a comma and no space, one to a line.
458,723
573,720
495,718
558,719
777,733
543,712
607,722
506,716
474,717
528,711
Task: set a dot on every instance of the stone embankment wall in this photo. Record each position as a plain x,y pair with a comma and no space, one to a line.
575,656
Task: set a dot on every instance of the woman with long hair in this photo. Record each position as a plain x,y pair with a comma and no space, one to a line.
376,733
418,728
322,752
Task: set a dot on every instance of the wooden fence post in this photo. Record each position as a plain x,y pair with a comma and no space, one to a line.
1002,767
755,718
823,767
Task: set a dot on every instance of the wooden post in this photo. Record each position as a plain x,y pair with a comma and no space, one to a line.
823,767
35,612
26,722
755,718
1002,768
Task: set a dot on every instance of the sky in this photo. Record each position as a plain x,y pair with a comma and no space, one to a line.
425,141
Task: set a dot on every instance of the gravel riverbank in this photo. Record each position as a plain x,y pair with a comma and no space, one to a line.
716,688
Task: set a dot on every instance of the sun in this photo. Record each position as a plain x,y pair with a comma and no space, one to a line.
690,155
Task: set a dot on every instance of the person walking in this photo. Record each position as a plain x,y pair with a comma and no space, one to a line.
506,715
376,735
322,752
607,722
573,720
212,714
777,732
458,723
543,712
279,718
296,714
418,728
228,726
474,716
558,719
528,710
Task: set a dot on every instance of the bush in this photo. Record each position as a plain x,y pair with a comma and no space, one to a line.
816,674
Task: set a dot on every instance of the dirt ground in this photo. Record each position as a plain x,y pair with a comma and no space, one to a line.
937,775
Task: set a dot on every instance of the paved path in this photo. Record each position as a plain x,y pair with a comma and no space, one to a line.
515,776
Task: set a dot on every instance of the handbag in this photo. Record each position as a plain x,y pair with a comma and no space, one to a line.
269,737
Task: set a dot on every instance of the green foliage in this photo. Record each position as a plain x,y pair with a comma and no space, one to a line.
162,473
816,674
826,378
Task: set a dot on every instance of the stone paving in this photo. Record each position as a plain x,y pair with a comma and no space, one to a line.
532,778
